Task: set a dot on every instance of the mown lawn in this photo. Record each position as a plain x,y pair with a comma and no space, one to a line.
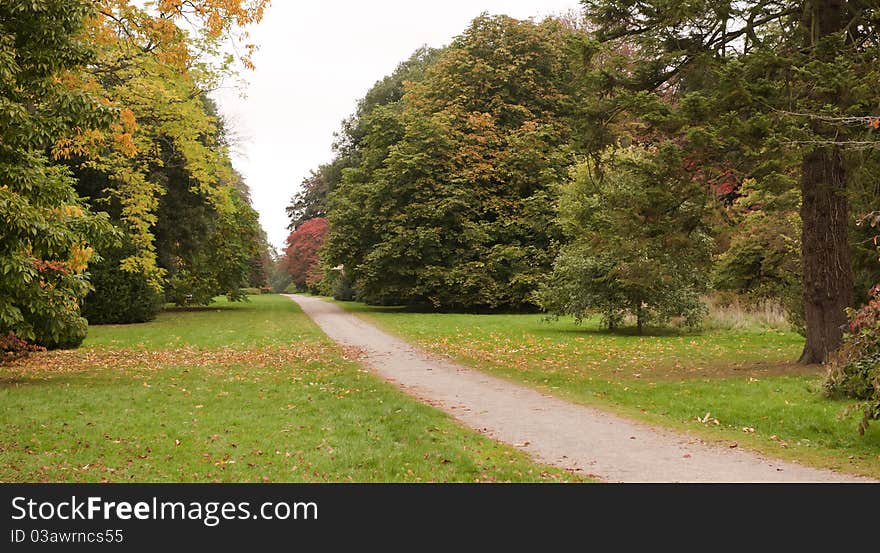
739,387
233,393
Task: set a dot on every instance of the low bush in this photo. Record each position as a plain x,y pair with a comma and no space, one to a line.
12,347
119,296
65,330
855,370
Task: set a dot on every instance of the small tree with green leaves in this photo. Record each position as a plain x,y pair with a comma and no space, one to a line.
634,218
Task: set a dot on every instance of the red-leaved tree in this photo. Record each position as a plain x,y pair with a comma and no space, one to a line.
302,252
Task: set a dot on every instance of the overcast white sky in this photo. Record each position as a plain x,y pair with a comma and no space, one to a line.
316,59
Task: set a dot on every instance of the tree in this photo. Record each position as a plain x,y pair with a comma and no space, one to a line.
637,242
302,253
450,203
311,200
100,85
352,146
165,175
855,370
46,232
771,83
205,250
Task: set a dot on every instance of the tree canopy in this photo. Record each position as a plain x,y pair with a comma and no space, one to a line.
779,91
447,203
637,244
104,111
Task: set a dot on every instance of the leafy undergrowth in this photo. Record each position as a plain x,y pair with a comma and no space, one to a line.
739,387
171,401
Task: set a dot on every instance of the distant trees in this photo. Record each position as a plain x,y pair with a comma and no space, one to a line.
301,255
715,146
761,258
311,200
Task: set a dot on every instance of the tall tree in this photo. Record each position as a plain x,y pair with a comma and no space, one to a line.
773,82
165,175
451,201
46,232
352,142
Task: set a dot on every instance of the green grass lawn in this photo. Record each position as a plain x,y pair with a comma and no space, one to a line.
232,393
739,387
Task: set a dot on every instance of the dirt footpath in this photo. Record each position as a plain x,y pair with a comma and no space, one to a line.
552,430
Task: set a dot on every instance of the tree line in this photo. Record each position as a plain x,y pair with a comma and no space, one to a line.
117,193
623,161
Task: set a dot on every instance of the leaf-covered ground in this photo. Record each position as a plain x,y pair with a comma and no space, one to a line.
232,393
739,387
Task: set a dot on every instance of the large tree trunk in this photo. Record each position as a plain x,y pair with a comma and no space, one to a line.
828,275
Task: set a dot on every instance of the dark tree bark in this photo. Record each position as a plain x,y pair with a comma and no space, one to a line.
828,275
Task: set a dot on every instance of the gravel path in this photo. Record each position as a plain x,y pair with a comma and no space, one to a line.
551,430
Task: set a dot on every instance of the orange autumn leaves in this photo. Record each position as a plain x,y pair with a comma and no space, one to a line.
124,35
53,363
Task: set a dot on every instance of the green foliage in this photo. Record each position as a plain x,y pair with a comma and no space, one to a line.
59,329
637,246
450,203
865,202
119,296
762,259
278,276
205,249
46,232
355,139
855,371
164,174
780,92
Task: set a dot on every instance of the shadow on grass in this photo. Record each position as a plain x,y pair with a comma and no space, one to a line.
208,308
428,309
546,327
32,381
361,308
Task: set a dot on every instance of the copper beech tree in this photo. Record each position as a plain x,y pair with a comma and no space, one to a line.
301,255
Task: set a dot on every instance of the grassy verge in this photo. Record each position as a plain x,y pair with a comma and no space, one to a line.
232,393
739,387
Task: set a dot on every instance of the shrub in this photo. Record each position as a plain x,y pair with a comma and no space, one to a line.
12,347
250,291
855,368
63,330
763,261
120,296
